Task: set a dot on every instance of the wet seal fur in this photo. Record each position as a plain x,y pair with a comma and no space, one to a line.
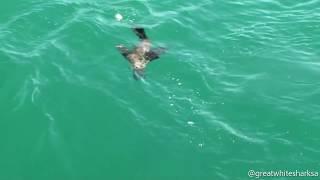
140,55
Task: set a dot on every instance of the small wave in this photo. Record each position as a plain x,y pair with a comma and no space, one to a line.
228,128
237,133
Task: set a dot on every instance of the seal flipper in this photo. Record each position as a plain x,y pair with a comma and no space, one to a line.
151,55
135,77
159,50
138,74
140,33
154,53
123,50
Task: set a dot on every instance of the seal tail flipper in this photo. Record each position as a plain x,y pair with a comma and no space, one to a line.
140,33
155,53
138,74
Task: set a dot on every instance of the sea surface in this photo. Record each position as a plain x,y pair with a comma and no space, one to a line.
238,89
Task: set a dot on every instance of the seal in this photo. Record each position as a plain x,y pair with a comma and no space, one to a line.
142,54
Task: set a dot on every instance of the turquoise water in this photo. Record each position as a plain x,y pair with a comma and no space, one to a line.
237,90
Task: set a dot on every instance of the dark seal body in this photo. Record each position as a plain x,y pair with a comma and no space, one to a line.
142,54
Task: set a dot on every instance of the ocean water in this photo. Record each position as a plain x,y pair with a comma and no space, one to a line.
238,89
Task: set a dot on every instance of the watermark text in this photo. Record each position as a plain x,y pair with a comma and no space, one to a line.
282,173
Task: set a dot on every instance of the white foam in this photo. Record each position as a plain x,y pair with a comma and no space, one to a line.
190,123
118,17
